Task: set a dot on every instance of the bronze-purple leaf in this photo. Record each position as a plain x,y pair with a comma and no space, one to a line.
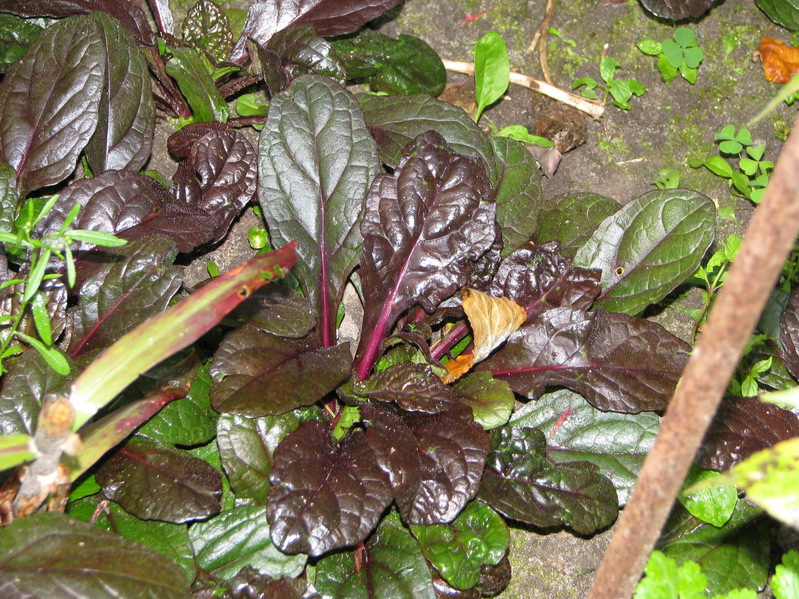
678,10
789,334
258,374
324,495
617,362
743,426
424,226
157,483
413,387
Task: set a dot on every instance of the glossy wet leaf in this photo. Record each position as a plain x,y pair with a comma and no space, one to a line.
782,12
47,117
789,333
423,227
8,197
785,581
172,330
48,308
317,160
457,550
714,504
247,446
522,484
491,400
295,51
519,196
677,10
207,27
391,565
491,70
130,15
735,556
402,66
649,247
395,121
572,218
187,421
170,540
433,462
615,361
250,583
277,310
258,374
126,113
136,282
329,17
237,538
49,554
742,427
195,83
577,431
413,387
324,495
16,35
158,483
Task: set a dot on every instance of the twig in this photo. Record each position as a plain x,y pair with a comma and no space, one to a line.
540,39
768,241
591,107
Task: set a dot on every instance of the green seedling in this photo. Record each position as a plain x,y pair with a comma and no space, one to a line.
491,71
681,54
667,178
666,580
520,133
621,90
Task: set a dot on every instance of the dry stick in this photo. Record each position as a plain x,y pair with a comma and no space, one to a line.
540,38
592,108
770,237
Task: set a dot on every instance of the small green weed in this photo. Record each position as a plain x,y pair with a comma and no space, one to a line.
681,54
668,178
621,90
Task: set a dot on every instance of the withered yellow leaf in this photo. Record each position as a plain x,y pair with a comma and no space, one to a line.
779,60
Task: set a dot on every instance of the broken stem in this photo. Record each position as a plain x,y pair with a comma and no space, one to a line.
590,107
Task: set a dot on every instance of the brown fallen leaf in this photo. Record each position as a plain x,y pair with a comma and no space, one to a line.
779,60
492,319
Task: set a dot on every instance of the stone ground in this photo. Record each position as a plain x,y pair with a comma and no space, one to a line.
621,156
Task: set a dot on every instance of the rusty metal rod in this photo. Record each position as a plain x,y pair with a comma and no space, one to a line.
766,245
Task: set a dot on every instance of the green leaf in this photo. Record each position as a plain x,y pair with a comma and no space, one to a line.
237,538
521,133
673,53
250,105
572,218
246,447
782,12
36,275
607,69
391,565
730,146
317,162
577,431
207,27
650,47
491,400
52,555
727,132
649,247
171,331
14,450
718,166
54,358
16,35
735,556
457,550
667,72
519,195
41,318
688,74
491,70
664,580
714,505
785,582
171,540
96,238
589,82
693,57
195,83
685,37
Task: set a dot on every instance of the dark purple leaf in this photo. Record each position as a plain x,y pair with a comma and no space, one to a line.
329,17
617,362
518,193
258,374
539,278
126,117
678,10
53,294
521,483
743,426
789,333
249,584
207,27
423,226
132,206
180,142
395,121
246,447
49,103
324,495
52,555
277,310
125,11
135,282
571,219
8,197
433,462
156,483
317,161
413,387
294,51
390,564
